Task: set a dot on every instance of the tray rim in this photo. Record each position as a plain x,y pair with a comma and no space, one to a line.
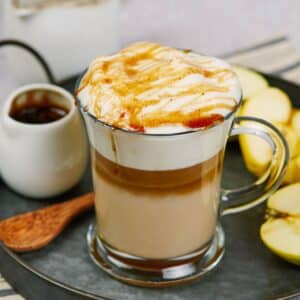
80,292
47,278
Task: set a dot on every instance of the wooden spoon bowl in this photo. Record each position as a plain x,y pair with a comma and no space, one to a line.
34,230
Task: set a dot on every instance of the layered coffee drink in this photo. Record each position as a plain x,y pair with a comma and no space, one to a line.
157,214
153,116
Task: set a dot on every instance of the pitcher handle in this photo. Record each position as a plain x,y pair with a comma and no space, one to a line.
41,60
264,186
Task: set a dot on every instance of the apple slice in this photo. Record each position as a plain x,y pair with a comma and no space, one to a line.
256,152
282,236
291,137
293,170
295,122
292,173
272,104
252,82
286,200
281,233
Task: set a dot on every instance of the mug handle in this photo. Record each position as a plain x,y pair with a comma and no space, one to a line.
264,186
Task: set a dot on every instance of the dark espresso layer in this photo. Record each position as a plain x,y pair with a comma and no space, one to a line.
195,176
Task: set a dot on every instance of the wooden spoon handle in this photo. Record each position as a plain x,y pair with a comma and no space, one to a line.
79,204
65,211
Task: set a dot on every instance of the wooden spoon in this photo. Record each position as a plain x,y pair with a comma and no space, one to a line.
34,230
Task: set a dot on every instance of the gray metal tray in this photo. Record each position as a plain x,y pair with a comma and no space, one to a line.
63,269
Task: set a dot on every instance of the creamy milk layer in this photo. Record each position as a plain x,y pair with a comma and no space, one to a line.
156,89
150,88
156,214
146,227
146,152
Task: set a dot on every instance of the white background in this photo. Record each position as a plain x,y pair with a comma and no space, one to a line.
208,26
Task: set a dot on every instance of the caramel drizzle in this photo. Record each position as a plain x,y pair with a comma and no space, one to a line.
138,78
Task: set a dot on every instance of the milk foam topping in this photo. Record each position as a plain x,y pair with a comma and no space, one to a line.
157,89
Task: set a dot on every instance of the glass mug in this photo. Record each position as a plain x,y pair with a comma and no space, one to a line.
158,198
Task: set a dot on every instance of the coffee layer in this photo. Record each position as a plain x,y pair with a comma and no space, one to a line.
156,214
180,180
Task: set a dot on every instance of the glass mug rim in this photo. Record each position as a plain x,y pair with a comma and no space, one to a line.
112,127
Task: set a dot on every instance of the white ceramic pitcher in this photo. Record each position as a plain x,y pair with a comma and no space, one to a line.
42,160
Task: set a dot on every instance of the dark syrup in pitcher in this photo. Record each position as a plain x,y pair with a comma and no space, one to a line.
32,111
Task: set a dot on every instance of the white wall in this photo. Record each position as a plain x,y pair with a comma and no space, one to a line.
209,26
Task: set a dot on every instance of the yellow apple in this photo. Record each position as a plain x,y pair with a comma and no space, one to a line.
251,81
286,200
295,122
271,104
281,232
293,171
282,236
291,137
256,152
